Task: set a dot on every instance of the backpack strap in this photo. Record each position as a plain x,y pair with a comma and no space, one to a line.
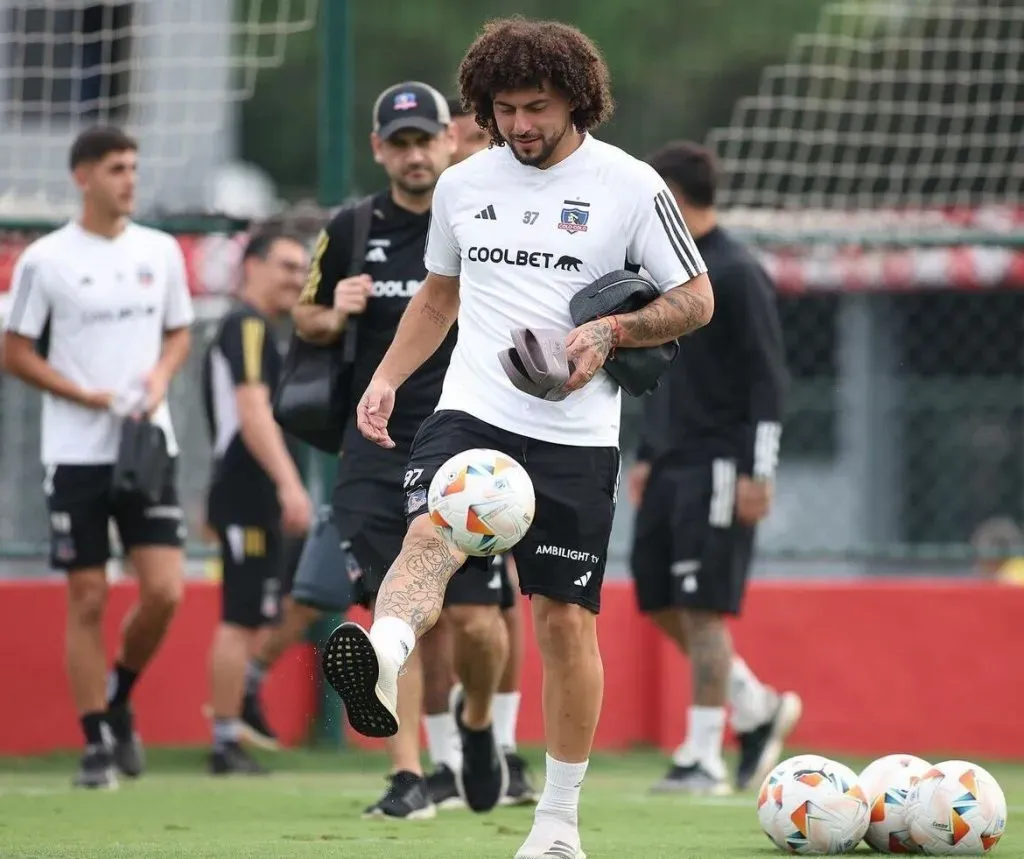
362,218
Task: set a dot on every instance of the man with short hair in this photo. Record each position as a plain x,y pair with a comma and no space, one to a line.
114,297
256,498
412,142
547,192
702,483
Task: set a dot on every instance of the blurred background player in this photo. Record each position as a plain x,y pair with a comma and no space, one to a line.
411,140
438,658
256,497
117,357
469,136
703,481
998,542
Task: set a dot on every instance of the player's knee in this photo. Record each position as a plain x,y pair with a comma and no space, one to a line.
420,529
164,596
564,631
87,597
422,533
477,626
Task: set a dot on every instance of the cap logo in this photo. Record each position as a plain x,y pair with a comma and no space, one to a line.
405,101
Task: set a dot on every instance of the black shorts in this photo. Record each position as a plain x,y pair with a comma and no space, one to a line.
688,549
563,555
252,564
370,515
81,503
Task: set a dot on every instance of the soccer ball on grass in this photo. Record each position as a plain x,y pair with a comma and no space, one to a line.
482,502
885,783
812,805
956,808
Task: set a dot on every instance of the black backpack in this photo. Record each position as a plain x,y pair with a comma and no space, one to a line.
313,400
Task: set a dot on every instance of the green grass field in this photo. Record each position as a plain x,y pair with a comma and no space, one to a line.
310,806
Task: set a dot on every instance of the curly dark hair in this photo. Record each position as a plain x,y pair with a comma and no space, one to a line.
517,53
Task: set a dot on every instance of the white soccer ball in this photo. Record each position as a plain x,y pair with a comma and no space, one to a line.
956,808
885,783
813,806
482,502
769,796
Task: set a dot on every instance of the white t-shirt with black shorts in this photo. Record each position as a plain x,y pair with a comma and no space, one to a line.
107,304
523,241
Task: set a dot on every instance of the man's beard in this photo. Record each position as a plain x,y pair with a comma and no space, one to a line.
548,146
419,187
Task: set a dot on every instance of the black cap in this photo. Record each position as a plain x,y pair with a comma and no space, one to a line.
410,105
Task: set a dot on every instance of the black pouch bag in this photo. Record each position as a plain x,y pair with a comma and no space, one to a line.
313,399
142,462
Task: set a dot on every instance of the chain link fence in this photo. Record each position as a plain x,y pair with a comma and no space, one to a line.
903,432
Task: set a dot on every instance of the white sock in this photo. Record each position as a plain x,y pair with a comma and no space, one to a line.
441,729
561,796
455,746
438,746
506,715
394,638
703,745
752,702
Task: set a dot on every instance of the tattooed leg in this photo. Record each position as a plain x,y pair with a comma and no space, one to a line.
710,650
363,668
413,589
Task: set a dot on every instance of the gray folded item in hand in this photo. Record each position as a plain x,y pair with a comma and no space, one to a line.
536,364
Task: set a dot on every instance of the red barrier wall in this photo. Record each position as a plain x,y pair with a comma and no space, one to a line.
881,666
38,714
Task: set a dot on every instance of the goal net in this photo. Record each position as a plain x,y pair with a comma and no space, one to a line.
170,73
897,121
879,170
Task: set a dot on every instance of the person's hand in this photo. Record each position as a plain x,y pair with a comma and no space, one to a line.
753,500
351,293
101,401
296,509
587,348
374,410
637,481
155,383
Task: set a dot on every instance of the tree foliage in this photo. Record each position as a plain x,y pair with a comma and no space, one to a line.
677,68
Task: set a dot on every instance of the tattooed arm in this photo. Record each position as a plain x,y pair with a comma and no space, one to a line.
673,314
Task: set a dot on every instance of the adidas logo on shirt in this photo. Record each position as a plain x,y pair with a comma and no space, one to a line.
582,581
487,214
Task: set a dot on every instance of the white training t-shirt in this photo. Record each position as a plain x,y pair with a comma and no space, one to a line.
523,241
109,302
